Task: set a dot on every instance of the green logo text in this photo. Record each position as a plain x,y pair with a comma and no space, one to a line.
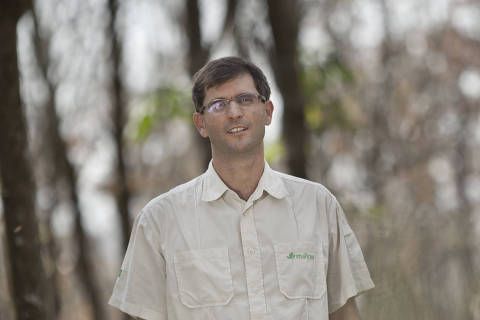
300,256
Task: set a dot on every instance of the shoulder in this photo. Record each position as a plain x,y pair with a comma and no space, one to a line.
174,198
161,212
298,186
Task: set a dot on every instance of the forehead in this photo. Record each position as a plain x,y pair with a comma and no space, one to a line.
238,85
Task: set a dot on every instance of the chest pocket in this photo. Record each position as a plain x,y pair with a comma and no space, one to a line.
203,277
300,270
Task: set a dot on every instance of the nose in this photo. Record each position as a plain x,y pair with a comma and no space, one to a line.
234,110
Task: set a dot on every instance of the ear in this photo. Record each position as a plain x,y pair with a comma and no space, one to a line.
268,112
200,124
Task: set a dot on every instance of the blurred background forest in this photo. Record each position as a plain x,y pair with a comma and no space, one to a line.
376,99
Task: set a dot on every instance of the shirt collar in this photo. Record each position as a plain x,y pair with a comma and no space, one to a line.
271,182
214,187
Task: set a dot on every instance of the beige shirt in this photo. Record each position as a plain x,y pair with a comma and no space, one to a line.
200,252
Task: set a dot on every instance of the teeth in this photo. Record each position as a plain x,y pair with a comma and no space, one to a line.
236,130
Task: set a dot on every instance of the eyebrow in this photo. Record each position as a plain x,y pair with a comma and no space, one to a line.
224,98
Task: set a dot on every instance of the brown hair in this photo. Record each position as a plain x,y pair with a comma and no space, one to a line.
219,71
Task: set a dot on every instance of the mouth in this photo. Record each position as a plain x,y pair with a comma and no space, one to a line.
236,130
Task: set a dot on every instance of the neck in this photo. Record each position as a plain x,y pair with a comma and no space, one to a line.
241,174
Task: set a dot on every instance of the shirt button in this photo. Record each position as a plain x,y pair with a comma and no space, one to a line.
251,251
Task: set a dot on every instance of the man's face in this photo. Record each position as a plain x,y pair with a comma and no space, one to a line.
237,129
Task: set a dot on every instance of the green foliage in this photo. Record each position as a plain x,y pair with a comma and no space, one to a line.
377,211
157,108
321,83
274,151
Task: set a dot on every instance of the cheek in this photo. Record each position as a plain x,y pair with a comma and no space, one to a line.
212,129
264,119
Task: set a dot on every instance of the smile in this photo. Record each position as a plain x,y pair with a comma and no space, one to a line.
237,129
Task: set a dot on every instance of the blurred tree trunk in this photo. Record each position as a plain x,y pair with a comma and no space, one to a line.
231,26
467,251
122,194
378,116
66,172
197,57
29,281
463,52
85,266
199,54
285,19
41,46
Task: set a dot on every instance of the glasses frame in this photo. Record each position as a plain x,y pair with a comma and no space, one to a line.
227,101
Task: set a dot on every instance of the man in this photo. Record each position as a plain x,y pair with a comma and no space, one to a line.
240,241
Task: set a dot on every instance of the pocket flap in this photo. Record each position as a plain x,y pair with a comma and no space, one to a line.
300,270
204,278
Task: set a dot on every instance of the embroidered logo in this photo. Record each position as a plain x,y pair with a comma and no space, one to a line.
120,273
303,256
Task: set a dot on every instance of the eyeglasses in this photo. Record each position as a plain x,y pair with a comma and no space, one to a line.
244,100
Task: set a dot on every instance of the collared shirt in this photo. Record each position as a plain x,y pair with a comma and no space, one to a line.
200,252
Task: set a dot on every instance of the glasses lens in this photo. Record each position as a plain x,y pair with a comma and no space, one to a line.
246,99
217,106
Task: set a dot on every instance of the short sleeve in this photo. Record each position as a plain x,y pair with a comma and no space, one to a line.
347,274
140,288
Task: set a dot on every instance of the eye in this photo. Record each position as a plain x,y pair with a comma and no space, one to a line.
217,106
246,99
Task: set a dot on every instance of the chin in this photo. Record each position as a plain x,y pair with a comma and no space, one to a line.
247,148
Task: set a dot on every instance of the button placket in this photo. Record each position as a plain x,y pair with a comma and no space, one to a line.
253,265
